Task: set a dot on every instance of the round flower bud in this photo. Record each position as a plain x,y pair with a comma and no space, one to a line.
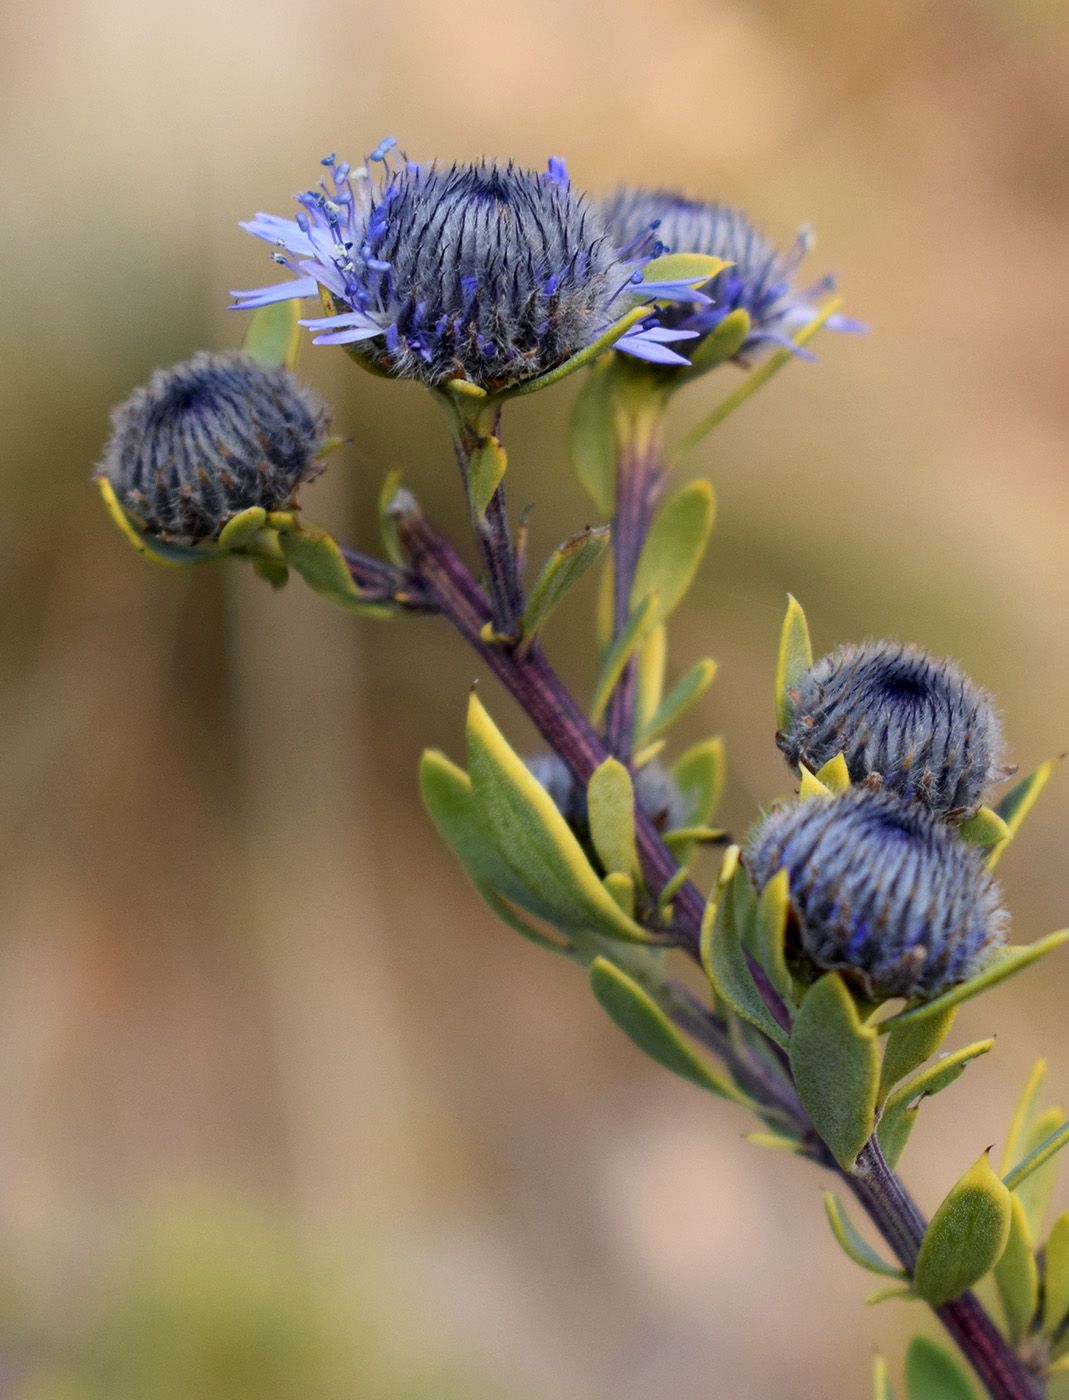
918,726
211,437
880,890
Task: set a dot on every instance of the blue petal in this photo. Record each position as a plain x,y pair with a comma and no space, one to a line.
326,274
281,291
350,318
346,337
650,350
273,229
673,291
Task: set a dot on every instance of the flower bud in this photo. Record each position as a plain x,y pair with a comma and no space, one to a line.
881,890
918,726
211,437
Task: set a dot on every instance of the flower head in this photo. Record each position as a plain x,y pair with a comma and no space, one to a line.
918,726
759,282
485,271
881,890
211,437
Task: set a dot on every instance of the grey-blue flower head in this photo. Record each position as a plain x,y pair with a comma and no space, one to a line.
881,890
485,272
211,437
918,726
760,280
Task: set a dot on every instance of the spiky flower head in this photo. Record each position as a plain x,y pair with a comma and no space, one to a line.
881,890
916,725
211,437
759,282
485,272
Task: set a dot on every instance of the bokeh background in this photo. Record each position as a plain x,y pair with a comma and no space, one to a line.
283,1114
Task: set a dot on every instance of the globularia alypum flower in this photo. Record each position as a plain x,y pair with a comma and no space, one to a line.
759,282
881,890
656,794
484,271
918,726
211,437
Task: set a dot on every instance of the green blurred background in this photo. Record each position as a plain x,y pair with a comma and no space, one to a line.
284,1115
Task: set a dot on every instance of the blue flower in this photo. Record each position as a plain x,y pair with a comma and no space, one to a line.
759,282
481,271
881,890
211,437
918,726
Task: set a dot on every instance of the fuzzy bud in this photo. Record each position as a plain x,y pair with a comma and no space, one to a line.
209,438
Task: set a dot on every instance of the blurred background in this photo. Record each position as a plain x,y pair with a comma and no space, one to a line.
284,1115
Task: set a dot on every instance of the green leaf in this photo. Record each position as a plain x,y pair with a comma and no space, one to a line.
1034,1177
900,1110
622,889
603,607
770,934
1005,962
795,657
592,436
985,829
884,1295
583,357
618,655
391,541
649,680
486,467
148,544
272,571
681,838
721,344
561,571
695,268
678,700
699,776
907,1047
644,1023
852,1244
273,336
966,1237
533,838
834,774
931,1374
318,560
242,530
775,1142
674,549
610,801
725,963
1019,801
881,1381
1016,1275
1023,1114
1056,1275
508,915
835,1061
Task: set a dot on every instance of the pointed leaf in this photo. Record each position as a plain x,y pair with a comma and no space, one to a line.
242,530
907,1047
1019,801
610,800
725,962
770,933
509,915
486,467
884,1295
391,540
985,829
148,544
533,838
678,700
621,651
699,776
649,682
1023,1114
852,1244
674,548
622,889
318,560
931,1374
560,573
586,356
273,336
1034,1178
834,774
795,658
1056,1275
1005,962
718,346
900,1110
592,436
644,1023
775,1142
683,267
603,609
966,1237
809,785
881,1381
836,1065
1016,1275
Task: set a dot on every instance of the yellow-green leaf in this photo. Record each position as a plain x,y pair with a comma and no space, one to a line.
836,1065
881,1381
273,336
621,651
907,1047
931,1374
610,800
674,549
794,659
486,467
678,700
644,1023
1034,1177
649,682
242,530
900,1110
560,573
391,541
725,962
586,356
809,785
985,829
1019,801
852,1244
966,1237
1023,1114
1016,1275
718,346
695,268
147,544
318,560
592,436
699,776
770,933
533,838
1056,1275
1005,962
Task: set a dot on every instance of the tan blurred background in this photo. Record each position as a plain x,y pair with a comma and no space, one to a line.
283,1113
